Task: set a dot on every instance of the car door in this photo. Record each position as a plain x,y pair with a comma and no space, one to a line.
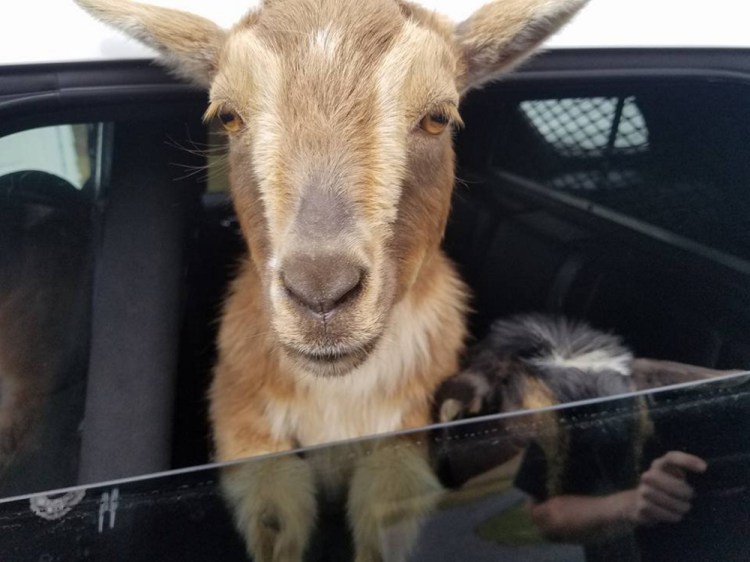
568,169
95,221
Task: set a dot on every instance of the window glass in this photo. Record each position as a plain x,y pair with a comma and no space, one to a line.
588,126
61,150
672,155
45,243
494,468
77,403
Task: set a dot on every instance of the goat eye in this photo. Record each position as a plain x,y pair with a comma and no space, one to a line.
231,121
434,123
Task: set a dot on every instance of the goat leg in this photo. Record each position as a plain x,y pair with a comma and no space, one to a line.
392,491
274,506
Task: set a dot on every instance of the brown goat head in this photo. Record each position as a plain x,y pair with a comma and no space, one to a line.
339,115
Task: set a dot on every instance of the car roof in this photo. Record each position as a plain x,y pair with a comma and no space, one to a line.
64,33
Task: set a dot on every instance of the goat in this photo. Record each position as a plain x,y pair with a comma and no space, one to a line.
346,316
535,362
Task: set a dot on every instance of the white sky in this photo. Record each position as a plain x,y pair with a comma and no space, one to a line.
57,30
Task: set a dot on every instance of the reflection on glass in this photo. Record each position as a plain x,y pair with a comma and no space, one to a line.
638,477
44,292
491,512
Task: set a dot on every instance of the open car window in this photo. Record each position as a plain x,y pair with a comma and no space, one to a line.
496,464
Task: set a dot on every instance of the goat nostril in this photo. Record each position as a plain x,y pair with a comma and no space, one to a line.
348,289
321,285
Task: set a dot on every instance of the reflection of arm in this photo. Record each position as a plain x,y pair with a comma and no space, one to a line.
662,496
584,519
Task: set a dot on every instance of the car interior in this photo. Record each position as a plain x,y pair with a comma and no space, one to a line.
603,186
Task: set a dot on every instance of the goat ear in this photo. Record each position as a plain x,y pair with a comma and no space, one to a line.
189,44
503,33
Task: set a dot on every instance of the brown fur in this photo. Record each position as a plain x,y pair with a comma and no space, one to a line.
330,95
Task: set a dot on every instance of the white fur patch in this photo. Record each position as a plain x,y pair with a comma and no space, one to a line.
597,360
567,344
390,156
273,264
262,103
325,41
404,64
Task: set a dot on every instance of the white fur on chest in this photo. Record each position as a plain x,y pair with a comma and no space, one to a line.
364,402
336,410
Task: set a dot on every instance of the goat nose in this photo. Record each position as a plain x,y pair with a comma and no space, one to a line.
321,283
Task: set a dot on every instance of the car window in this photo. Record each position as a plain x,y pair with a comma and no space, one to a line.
501,462
61,150
670,156
588,127
48,179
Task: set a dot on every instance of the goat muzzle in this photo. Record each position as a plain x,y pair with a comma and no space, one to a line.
322,283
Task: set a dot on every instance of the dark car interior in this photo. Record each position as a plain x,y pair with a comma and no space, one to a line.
606,186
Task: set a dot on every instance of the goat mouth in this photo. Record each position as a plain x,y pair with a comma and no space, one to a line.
333,362
327,357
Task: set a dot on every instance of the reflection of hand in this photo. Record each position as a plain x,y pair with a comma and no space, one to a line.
663,495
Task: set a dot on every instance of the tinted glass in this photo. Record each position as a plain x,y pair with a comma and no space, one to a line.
499,463
47,180
672,154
